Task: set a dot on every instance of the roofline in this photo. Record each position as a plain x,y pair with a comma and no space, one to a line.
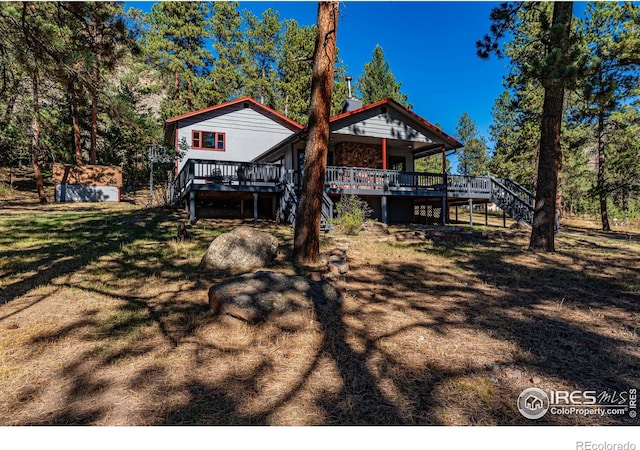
455,143
286,119
295,137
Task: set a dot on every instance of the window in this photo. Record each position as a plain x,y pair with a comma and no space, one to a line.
397,163
208,140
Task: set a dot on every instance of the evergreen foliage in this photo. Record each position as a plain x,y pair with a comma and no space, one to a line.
377,82
473,158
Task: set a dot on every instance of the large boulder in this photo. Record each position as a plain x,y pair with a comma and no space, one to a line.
267,295
240,250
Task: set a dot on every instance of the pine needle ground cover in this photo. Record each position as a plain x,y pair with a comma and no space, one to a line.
104,321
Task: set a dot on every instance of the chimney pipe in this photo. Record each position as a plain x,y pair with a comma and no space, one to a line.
349,78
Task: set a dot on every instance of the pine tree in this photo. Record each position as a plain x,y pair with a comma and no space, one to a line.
176,46
378,82
306,245
31,30
294,70
228,42
607,84
549,57
473,159
263,42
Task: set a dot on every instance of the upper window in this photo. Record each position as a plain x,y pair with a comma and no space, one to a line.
208,140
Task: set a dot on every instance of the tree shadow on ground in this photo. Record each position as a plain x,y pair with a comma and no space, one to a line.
411,344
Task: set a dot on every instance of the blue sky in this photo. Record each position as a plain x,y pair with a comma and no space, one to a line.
430,47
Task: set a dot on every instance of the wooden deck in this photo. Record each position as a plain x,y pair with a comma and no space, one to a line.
259,178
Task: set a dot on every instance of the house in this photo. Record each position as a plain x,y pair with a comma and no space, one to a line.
239,130
382,141
243,151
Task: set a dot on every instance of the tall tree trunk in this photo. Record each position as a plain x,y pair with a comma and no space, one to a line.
306,246
75,119
543,233
93,154
35,136
602,192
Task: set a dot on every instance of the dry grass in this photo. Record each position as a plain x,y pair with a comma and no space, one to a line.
104,321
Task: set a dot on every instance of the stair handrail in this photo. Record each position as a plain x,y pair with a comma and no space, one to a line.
521,210
521,189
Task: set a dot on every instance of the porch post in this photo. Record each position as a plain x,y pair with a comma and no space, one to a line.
470,201
192,207
444,161
255,208
383,202
384,153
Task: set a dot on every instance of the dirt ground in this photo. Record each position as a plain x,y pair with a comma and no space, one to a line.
104,321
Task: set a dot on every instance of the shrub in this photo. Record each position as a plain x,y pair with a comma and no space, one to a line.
351,212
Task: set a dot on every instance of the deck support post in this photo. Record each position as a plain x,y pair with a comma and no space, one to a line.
255,208
504,219
192,207
486,214
444,210
383,203
242,208
470,212
456,213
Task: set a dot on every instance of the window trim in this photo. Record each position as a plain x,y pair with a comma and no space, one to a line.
216,134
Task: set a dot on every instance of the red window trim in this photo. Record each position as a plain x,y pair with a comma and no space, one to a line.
217,135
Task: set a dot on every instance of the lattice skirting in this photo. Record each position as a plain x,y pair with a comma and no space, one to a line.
427,213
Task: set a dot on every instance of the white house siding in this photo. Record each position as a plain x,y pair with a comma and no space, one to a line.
248,133
378,125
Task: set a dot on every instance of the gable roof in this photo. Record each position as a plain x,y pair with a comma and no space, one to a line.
442,139
453,143
289,123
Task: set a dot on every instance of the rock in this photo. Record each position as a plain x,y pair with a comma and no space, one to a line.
316,276
374,227
266,295
241,250
513,373
338,268
520,225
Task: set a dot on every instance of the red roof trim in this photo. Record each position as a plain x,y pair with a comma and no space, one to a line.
405,109
357,111
235,102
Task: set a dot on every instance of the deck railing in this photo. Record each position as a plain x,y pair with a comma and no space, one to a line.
336,178
359,178
227,172
463,184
